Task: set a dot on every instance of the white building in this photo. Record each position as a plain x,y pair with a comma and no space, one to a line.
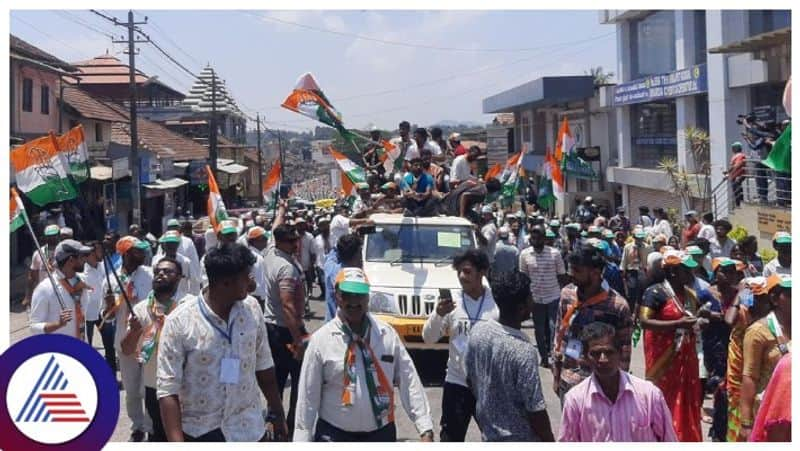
680,69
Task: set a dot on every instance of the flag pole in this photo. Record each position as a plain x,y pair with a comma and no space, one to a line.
41,256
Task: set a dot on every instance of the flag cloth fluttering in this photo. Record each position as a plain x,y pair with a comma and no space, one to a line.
510,176
216,207
780,157
272,185
565,142
546,198
72,145
41,171
18,216
354,172
493,172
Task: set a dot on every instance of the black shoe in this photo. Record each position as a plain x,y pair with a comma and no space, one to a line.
138,436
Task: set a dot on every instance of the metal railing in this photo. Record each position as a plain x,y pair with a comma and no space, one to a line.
758,185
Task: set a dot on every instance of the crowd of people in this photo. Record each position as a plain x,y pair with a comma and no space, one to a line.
207,327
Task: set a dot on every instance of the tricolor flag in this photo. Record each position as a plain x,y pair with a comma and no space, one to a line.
510,176
41,172
493,172
308,99
72,145
272,185
18,216
565,142
216,208
551,184
355,173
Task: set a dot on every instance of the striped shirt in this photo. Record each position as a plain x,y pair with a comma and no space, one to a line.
543,268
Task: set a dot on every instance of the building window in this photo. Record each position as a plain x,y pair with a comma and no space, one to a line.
98,133
27,95
700,50
45,99
764,20
653,44
653,133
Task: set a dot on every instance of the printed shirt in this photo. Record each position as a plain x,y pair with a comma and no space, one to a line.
145,316
639,414
456,325
322,382
190,356
46,309
283,272
543,269
142,285
612,310
503,370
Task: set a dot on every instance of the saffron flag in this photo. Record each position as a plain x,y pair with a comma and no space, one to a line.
18,216
41,172
308,99
780,157
72,145
216,207
272,185
355,173
493,172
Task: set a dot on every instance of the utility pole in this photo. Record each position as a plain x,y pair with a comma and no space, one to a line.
134,156
258,146
212,125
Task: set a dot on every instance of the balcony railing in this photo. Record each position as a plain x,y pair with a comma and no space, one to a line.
758,186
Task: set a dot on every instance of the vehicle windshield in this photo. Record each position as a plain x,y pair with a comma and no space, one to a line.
395,243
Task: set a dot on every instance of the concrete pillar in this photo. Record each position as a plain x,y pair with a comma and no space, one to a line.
686,116
724,104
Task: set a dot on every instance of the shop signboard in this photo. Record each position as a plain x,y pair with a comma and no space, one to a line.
684,82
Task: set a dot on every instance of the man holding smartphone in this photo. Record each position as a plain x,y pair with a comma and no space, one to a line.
473,304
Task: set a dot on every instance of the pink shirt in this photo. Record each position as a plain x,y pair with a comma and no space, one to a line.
639,414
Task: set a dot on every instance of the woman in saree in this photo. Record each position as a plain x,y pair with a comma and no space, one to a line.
774,420
668,318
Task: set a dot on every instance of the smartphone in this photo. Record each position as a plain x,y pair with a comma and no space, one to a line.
444,293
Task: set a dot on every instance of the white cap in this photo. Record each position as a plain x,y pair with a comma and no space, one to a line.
486,209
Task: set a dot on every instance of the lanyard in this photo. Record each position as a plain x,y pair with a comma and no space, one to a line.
228,336
472,320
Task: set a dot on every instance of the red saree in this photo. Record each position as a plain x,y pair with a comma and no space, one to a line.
675,372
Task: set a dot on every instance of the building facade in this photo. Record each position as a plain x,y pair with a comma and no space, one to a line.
690,69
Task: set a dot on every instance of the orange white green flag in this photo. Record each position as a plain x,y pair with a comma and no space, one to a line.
565,142
272,185
18,216
41,171
510,176
354,172
72,145
216,207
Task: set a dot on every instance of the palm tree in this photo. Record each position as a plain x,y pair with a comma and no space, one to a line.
600,77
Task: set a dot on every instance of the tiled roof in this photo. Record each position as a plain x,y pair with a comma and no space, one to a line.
25,49
91,107
112,69
160,140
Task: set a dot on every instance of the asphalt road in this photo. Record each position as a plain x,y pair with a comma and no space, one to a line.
430,365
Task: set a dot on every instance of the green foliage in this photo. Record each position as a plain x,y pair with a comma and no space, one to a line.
767,254
738,233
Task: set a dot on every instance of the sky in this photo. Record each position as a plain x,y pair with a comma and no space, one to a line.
377,67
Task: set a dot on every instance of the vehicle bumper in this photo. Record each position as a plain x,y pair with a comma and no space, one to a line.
410,331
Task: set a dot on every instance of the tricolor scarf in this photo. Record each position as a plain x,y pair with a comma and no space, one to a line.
75,291
150,337
127,280
381,394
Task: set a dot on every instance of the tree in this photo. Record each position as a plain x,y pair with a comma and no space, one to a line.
696,184
600,77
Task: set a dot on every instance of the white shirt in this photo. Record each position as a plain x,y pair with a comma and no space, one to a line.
322,381
412,152
188,250
434,147
461,168
307,251
36,262
340,226
319,250
46,309
456,325
653,260
489,231
142,285
190,356
189,280
94,277
662,226
774,267
259,273
707,231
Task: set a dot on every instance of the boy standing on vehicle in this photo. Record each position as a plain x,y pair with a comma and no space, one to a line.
475,304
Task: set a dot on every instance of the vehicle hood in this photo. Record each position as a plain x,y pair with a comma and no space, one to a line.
411,275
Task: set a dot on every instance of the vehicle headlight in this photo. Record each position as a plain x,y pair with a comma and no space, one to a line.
380,302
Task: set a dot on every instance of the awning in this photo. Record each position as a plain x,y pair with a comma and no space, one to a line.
758,42
233,168
223,162
166,184
542,92
100,173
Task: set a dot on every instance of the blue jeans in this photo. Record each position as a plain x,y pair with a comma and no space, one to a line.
544,324
107,334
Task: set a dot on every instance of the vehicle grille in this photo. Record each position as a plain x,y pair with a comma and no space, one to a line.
416,307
